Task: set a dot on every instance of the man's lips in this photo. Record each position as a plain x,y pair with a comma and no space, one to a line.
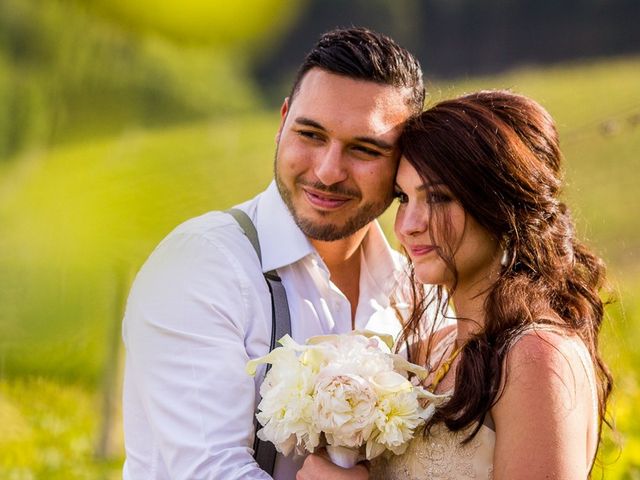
420,250
324,200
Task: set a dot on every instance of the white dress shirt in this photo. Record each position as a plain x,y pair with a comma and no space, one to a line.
199,309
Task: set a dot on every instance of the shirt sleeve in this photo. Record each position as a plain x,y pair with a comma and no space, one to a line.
185,331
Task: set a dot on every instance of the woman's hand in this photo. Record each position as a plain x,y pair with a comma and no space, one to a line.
318,467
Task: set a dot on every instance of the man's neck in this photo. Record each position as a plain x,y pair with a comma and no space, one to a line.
342,258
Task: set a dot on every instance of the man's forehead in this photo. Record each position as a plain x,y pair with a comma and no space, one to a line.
329,98
319,82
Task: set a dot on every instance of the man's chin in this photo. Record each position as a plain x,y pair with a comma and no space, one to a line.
328,231
324,231
329,224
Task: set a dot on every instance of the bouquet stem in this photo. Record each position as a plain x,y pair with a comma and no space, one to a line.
344,457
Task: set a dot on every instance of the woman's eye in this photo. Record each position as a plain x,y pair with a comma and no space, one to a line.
438,197
401,196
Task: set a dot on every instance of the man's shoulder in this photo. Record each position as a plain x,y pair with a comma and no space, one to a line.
216,232
213,224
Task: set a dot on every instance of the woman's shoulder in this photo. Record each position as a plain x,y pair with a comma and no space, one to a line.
548,364
544,345
540,349
547,396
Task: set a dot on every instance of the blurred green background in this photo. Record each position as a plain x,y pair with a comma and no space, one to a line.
119,120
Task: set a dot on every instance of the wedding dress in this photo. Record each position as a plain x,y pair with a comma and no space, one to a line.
441,455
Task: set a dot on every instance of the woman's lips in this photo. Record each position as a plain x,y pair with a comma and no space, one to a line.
420,250
323,200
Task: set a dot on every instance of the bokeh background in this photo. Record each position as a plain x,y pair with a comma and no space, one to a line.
120,119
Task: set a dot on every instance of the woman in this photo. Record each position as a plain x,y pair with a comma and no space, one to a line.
523,388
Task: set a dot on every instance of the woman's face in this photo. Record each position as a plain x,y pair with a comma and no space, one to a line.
476,254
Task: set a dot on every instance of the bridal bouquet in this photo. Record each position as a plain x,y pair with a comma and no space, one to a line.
348,392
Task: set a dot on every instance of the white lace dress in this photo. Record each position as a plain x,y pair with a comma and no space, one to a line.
440,455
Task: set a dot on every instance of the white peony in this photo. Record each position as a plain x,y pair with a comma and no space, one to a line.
339,390
344,408
285,408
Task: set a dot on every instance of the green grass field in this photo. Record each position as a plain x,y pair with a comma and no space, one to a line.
78,221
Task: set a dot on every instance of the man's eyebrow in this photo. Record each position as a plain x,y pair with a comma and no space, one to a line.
309,123
381,144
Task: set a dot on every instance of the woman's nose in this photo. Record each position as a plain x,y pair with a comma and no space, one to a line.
412,220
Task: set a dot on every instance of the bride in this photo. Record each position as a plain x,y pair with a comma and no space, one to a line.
522,387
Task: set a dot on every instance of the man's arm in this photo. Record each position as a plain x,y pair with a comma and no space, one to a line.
185,330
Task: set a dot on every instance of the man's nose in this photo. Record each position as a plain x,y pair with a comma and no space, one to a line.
330,167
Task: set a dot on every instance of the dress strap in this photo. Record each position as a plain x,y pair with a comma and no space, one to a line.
587,364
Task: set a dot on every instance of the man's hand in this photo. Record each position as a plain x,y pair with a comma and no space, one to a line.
319,467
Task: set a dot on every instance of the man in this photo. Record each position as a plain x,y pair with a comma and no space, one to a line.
200,309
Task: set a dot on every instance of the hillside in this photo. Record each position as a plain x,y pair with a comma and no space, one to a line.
79,219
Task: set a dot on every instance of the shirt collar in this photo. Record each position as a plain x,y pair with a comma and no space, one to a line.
382,264
281,241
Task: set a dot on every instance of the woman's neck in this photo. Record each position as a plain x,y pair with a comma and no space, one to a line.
469,303
471,315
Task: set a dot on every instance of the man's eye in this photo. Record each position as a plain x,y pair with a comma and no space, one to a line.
309,134
368,151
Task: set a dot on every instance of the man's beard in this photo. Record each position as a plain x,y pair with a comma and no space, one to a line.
329,232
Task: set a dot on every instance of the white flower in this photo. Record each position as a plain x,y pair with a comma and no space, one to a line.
344,408
285,408
398,417
345,390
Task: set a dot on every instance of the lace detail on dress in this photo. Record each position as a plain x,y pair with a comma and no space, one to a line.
440,455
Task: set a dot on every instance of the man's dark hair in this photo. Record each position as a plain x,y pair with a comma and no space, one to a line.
362,54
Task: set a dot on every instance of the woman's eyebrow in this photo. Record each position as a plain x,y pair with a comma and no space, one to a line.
428,185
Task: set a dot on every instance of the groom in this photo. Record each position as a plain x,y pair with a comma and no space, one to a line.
200,309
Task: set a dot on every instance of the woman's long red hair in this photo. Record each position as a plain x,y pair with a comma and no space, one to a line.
498,154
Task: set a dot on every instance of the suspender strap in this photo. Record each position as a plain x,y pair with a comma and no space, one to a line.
248,228
265,452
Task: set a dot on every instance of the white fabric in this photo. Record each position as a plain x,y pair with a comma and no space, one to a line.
199,309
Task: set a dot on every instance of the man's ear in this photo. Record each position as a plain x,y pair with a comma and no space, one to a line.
284,109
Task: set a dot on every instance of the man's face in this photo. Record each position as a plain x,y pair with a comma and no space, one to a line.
336,154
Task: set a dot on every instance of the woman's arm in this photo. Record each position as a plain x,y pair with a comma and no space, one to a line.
544,418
